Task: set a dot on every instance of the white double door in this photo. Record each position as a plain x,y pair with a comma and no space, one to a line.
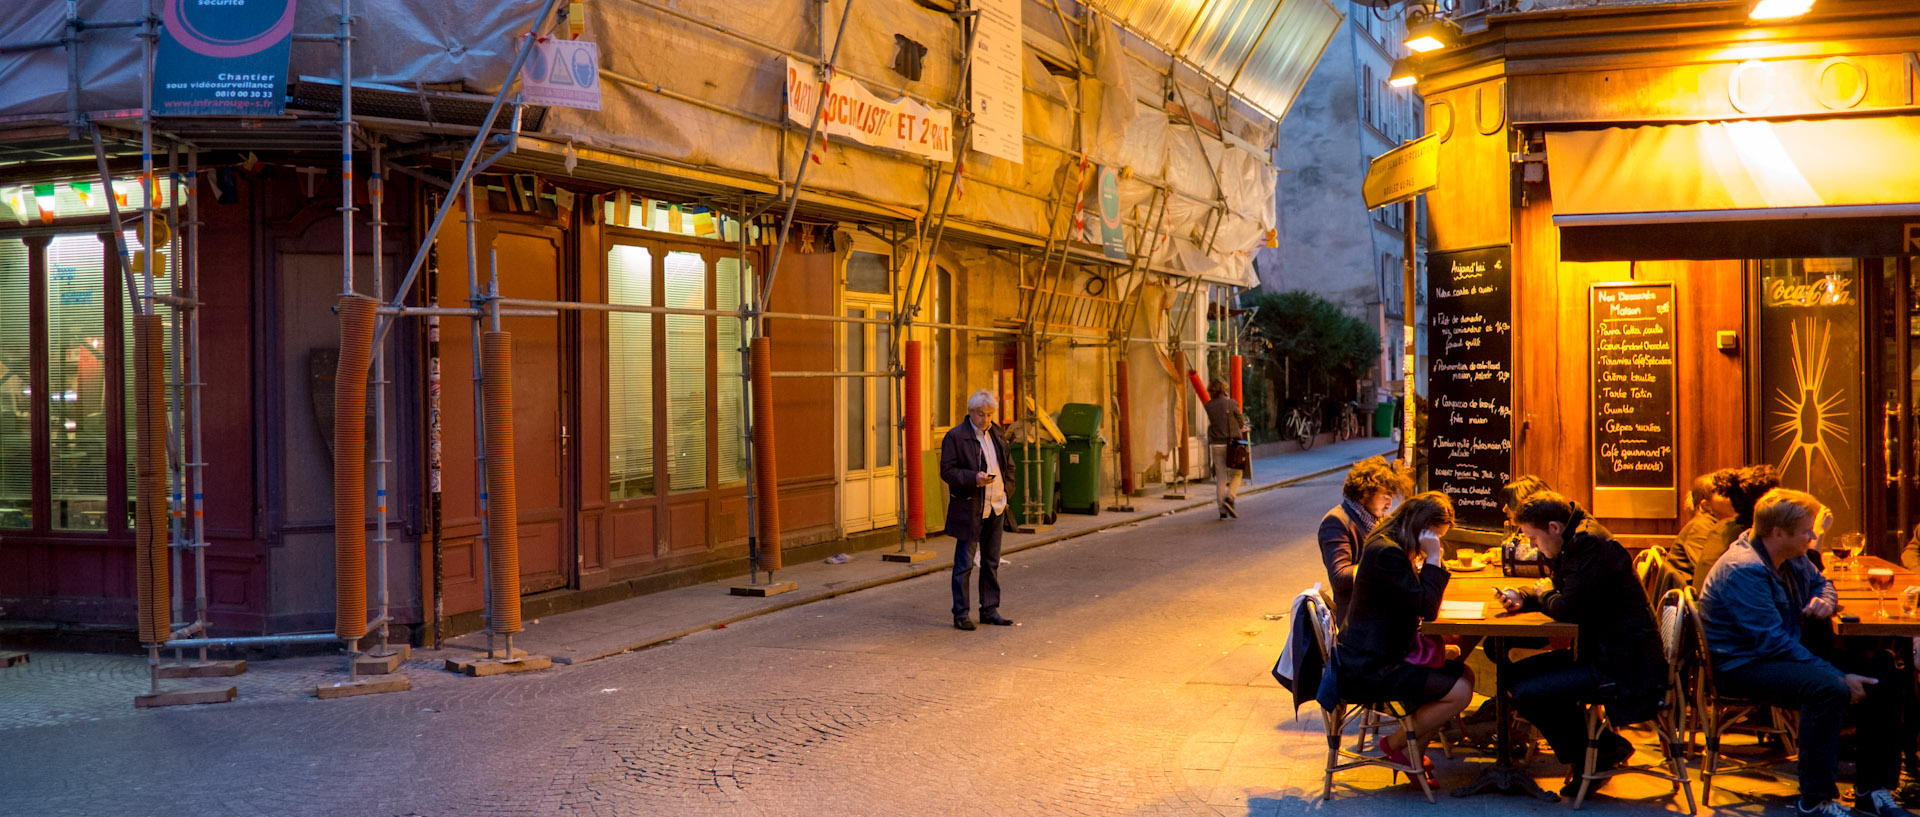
869,487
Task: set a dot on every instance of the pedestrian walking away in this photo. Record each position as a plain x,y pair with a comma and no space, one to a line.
1226,425
974,464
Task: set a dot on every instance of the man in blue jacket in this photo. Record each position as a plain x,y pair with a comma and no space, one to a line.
974,465
1755,597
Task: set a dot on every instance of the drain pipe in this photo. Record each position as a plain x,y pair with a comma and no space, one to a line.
434,495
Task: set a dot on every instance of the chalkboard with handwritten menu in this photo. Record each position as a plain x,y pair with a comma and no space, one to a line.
1632,337
1470,382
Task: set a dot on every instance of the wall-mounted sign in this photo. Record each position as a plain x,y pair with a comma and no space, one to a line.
1404,172
225,58
1099,216
1814,411
1721,91
855,113
1470,348
562,72
996,94
1635,469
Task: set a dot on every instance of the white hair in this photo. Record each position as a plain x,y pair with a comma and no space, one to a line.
982,399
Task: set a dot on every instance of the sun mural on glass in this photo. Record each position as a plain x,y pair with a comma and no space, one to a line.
1810,415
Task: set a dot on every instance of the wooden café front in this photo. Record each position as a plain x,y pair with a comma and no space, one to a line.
1668,240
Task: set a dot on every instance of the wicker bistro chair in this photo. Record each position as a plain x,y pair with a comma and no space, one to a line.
1720,714
1344,712
1670,724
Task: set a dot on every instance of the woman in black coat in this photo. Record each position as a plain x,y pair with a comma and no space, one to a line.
1620,662
1399,582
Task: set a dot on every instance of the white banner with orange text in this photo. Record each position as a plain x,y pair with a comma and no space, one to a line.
855,113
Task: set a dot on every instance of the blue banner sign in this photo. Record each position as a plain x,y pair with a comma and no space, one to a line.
223,57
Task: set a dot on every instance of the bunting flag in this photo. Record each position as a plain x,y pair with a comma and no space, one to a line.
563,203
310,178
622,207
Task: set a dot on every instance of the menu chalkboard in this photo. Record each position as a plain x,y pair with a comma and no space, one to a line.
1634,469
1470,382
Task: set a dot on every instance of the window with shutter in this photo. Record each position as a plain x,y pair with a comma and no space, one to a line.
731,413
943,398
76,378
686,288
856,392
16,388
630,374
882,393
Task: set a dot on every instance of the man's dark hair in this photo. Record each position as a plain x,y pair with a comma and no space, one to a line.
1542,507
1516,492
1743,488
1373,476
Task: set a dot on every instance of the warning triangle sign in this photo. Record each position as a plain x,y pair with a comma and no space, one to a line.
559,74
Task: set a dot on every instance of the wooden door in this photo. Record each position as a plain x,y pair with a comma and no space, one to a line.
530,266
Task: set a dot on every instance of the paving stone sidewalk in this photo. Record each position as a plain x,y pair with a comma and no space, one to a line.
643,621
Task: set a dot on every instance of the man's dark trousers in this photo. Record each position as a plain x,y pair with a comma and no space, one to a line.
989,547
1821,695
1549,690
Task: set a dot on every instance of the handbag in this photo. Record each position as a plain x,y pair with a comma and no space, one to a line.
1239,455
1520,558
1428,651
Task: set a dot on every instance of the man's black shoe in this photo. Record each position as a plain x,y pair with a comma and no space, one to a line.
963,623
997,620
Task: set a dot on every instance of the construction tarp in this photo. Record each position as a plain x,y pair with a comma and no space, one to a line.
700,83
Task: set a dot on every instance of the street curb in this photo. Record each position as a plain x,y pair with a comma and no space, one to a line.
943,567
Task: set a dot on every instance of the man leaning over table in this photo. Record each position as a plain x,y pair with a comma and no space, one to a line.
1619,662
1753,602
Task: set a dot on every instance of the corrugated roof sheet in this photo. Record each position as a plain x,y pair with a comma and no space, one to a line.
1264,49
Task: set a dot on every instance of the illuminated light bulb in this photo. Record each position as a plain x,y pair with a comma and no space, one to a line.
1778,9
1425,43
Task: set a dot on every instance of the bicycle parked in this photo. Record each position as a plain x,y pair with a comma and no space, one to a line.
1347,424
1304,421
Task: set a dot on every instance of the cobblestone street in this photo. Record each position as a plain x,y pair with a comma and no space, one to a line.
1136,684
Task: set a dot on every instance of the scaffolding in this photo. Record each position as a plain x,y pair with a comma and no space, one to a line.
1047,314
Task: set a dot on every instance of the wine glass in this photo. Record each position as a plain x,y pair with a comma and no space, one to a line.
1844,550
1881,580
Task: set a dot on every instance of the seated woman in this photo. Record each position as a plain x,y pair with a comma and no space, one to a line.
1619,662
1743,488
1399,582
1369,491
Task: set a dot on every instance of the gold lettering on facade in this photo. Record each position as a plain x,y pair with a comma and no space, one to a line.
1736,92
1835,101
1499,108
1440,119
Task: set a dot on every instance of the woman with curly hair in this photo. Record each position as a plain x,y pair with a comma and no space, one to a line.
1372,485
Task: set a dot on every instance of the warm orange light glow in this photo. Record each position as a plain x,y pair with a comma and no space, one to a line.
1403,81
1425,43
1778,9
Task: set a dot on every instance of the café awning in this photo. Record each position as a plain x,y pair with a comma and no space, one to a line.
1748,189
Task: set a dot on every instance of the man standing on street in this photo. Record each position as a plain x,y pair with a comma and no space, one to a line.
973,463
1225,424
